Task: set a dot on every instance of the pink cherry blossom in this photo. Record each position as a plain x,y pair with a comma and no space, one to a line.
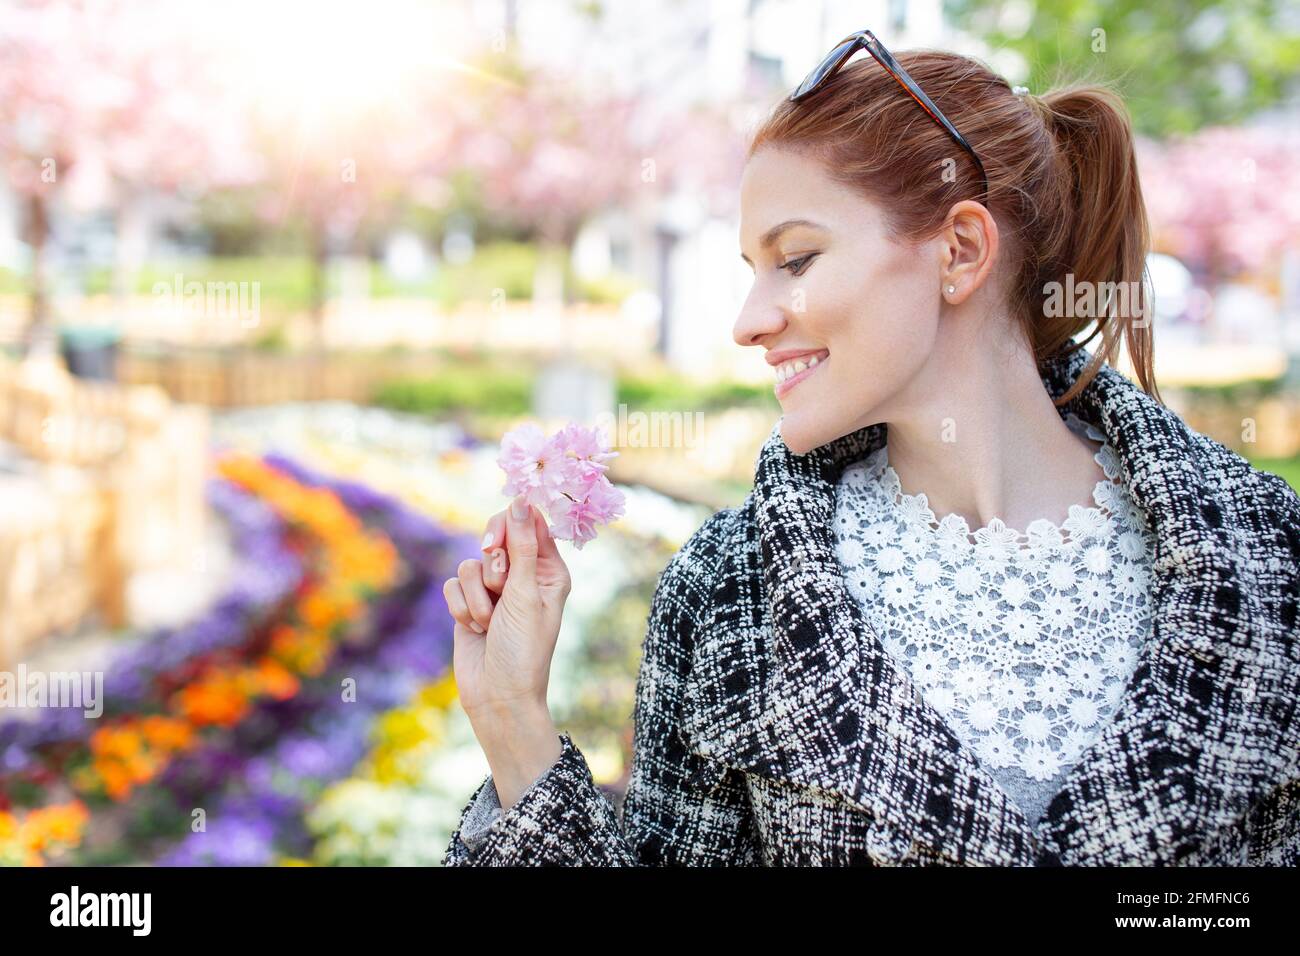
588,447
563,475
534,464
576,520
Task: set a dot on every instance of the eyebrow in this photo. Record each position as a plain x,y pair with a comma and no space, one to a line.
775,232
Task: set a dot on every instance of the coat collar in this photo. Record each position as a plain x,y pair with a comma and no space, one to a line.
788,680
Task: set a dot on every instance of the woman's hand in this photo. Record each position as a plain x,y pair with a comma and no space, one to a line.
507,614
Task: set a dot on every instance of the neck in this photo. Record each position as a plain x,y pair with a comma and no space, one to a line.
978,434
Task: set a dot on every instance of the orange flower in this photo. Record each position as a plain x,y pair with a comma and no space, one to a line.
284,639
273,679
116,743
53,827
214,699
117,782
56,824
141,768
319,610
370,561
304,652
167,733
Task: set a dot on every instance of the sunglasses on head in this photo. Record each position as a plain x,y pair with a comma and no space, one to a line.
865,39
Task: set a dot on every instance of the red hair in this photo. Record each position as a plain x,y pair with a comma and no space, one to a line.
1063,184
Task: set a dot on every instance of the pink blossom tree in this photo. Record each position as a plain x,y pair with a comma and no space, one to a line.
342,174
1225,200
104,91
54,60
546,153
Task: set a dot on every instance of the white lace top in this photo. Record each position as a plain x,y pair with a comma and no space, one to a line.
1023,642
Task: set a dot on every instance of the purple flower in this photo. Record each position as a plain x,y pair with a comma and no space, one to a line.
229,840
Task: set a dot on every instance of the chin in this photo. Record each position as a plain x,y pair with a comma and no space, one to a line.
799,440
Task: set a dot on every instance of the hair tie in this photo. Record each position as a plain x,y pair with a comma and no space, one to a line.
1020,90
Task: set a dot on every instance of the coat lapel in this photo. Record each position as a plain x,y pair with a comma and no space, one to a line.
789,681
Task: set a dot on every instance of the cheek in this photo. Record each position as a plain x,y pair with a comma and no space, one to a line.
892,318
886,329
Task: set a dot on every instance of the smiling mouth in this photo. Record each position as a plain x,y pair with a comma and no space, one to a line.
811,365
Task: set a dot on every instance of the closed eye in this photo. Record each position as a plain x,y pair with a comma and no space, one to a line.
798,264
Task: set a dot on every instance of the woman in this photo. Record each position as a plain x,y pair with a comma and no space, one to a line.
831,674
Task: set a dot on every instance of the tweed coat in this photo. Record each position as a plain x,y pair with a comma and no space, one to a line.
772,727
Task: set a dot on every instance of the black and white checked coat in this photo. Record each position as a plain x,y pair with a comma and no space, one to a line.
772,727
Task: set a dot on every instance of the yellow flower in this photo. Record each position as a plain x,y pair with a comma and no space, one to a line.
440,693
402,728
59,824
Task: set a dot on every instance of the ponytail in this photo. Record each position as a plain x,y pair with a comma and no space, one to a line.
1103,235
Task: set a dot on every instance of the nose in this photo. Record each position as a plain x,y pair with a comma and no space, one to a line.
759,316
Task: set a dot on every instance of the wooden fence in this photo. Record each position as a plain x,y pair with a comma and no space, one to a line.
240,378
108,481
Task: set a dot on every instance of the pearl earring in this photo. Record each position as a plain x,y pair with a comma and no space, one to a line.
952,289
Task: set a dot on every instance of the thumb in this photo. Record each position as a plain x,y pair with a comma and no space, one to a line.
521,544
546,549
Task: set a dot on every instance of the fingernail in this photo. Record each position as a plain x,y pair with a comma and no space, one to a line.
499,561
518,509
487,540
476,627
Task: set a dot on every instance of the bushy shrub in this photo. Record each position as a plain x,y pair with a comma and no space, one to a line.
461,388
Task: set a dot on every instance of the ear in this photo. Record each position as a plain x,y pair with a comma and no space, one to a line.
969,250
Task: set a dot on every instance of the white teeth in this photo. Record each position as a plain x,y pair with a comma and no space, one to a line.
790,369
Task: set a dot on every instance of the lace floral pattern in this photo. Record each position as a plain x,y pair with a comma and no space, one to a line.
1023,642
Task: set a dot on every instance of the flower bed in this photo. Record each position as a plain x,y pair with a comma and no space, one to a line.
403,800
259,818
307,717
323,629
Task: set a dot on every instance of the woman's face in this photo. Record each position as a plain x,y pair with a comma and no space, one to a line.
838,289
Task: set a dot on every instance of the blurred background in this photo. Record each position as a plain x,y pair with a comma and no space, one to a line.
276,277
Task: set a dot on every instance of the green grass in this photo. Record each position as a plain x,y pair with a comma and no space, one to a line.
669,392
1287,468
497,268
283,280
482,385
